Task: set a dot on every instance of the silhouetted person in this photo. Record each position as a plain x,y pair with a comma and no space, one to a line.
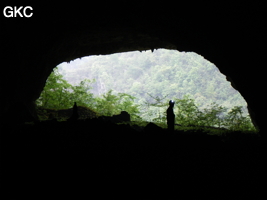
170,116
75,114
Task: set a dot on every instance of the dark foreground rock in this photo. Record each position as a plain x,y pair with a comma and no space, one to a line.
98,157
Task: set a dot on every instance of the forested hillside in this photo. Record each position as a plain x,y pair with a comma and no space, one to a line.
163,73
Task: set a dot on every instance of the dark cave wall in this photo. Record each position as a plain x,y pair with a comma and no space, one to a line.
32,47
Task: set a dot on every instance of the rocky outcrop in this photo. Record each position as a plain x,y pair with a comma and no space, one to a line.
64,114
122,117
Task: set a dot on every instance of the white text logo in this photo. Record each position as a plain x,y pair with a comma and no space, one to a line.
20,11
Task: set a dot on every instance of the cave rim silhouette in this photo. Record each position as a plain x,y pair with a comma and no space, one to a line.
152,50
184,44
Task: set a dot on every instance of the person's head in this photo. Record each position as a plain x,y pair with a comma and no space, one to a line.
171,103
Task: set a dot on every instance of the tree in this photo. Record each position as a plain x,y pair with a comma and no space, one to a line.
110,104
154,110
236,121
107,105
126,103
59,94
81,93
56,92
212,115
187,111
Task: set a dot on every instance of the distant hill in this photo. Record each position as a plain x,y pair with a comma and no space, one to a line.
161,73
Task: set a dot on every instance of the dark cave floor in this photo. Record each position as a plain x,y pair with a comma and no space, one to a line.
94,156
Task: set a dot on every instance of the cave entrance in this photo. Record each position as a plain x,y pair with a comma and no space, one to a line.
154,78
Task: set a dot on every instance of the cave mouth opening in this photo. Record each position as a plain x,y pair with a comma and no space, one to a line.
152,78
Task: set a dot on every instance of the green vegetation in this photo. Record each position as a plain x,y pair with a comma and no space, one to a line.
163,73
188,114
110,104
59,94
